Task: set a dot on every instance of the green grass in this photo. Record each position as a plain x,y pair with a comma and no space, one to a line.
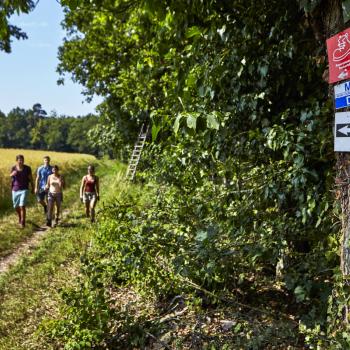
29,292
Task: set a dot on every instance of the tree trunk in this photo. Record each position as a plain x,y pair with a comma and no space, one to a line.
332,23
343,176
332,17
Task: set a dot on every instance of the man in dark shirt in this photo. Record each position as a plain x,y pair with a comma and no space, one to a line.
21,175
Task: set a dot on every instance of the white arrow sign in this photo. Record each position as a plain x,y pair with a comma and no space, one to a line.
343,74
344,130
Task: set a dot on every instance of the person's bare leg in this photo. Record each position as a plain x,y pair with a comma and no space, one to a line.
92,210
18,211
87,209
23,216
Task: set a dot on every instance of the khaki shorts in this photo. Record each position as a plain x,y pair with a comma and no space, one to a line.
89,197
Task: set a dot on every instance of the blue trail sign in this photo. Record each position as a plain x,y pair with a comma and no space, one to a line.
342,95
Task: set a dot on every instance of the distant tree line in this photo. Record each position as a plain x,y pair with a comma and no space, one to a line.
35,129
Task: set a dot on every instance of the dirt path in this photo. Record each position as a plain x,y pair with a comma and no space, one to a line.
26,247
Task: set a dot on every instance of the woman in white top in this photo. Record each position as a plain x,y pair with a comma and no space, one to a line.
55,185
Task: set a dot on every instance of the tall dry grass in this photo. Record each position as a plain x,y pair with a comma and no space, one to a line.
68,162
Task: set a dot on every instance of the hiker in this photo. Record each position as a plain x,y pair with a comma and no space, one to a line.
42,175
90,192
55,185
21,175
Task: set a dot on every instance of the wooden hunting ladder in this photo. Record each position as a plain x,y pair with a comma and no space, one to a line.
136,153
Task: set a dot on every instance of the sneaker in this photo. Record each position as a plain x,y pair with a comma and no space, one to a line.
343,48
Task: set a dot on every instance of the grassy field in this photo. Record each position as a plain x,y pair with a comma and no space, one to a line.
29,292
66,161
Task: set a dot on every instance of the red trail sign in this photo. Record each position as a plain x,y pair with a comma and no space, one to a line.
338,48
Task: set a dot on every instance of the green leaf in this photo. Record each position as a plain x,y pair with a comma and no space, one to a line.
212,122
177,123
193,32
263,70
300,293
192,121
155,131
201,236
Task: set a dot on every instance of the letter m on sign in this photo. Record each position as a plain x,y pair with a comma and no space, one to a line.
347,86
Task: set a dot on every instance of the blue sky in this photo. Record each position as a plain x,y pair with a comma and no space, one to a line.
28,74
